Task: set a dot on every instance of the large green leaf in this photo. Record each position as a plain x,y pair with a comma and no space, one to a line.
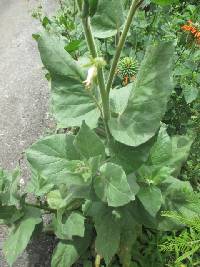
56,160
131,158
71,102
170,152
39,185
64,255
155,175
108,18
67,253
66,228
108,234
20,236
132,181
141,215
58,146
9,187
147,102
116,230
181,146
151,199
161,151
177,196
119,98
190,93
112,187
130,230
10,214
88,143
67,196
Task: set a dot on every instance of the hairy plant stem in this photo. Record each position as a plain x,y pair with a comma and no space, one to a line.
134,6
100,75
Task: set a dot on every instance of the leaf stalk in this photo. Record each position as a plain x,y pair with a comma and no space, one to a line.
134,6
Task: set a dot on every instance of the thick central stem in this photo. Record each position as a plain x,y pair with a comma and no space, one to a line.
100,75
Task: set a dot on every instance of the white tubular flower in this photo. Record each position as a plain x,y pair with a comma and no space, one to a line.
22,182
92,73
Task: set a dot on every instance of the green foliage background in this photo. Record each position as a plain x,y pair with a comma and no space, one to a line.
126,194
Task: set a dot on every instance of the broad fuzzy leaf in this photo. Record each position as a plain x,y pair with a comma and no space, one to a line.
151,199
88,143
177,196
108,18
67,253
39,185
131,178
9,187
162,149
116,228
180,151
111,185
141,215
10,214
94,164
119,98
190,93
108,234
94,208
56,159
20,236
131,158
154,174
66,228
147,102
71,103
64,255
130,230
170,152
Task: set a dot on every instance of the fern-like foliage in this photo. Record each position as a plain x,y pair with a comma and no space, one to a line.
185,245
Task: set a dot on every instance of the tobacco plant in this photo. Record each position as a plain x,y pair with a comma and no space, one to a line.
113,170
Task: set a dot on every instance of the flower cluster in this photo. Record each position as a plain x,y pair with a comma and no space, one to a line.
193,29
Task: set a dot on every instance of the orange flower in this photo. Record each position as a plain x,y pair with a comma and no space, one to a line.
126,80
189,28
192,29
186,28
197,35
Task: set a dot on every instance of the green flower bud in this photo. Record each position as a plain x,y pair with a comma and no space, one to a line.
127,67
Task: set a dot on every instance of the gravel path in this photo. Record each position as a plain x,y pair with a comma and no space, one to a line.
23,89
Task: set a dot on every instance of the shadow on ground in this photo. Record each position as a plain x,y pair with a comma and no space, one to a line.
40,251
